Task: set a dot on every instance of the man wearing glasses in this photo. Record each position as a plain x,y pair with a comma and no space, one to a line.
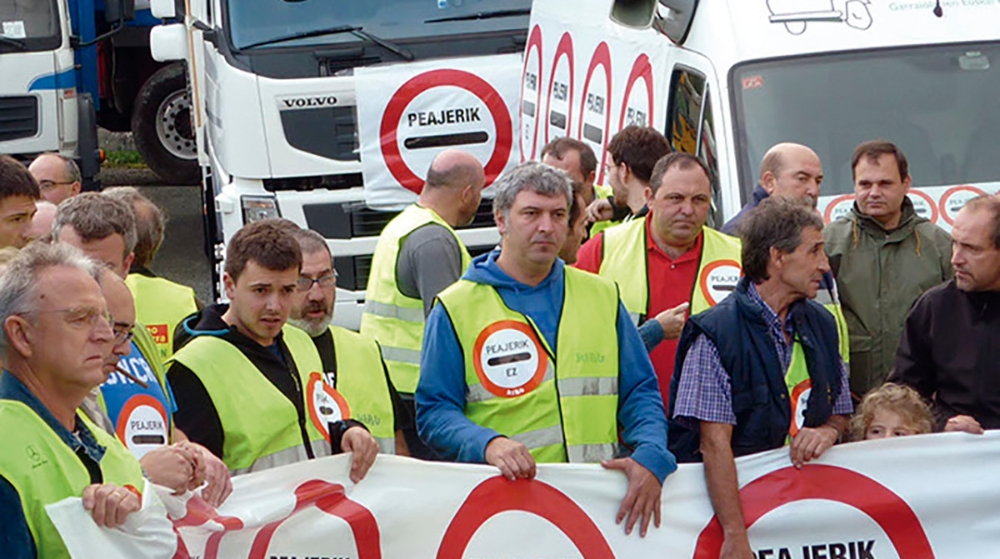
58,177
56,334
352,365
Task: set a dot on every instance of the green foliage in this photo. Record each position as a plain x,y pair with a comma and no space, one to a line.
124,159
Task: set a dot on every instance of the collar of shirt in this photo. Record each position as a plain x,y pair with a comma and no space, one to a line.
11,388
771,317
694,253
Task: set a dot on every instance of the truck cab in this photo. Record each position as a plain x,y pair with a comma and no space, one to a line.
727,79
290,99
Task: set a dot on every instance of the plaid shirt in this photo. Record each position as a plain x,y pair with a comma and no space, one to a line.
705,393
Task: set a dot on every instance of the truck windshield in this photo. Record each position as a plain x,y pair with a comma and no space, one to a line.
28,25
939,104
254,22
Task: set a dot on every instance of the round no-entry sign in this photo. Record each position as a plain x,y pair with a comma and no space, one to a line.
440,109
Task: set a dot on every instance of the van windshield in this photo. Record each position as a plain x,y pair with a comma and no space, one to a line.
259,21
28,25
939,104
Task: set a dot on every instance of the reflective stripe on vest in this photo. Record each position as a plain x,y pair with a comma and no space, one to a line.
514,383
393,319
625,261
361,379
260,424
799,387
161,305
44,470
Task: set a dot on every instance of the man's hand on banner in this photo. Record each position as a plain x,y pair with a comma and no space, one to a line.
110,504
642,500
213,471
511,457
359,441
172,466
811,442
964,423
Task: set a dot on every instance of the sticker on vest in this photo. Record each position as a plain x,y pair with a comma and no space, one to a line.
508,358
326,405
142,425
800,398
719,279
159,332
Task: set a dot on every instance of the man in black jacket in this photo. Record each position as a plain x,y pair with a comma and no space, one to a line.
950,350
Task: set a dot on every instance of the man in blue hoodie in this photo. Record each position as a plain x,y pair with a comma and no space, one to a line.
525,360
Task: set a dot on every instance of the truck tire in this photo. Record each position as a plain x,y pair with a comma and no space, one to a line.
162,127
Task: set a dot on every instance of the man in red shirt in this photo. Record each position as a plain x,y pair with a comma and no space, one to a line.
668,260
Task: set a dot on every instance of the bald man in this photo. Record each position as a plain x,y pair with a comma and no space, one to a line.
788,170
41,222
58,177
417,256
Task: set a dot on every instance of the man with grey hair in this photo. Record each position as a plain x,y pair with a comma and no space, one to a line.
352,364
160,304
761,369
493,389
57,175
104,228
418,254
56,334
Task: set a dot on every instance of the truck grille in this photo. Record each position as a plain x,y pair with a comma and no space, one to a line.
18,117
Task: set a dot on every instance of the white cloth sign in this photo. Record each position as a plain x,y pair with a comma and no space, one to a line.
409,113
919,497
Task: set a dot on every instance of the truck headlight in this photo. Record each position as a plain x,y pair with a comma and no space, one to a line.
256,208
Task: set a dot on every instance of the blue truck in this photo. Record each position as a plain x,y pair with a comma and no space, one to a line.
69,66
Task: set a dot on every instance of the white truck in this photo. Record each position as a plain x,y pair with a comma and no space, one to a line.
727,79
329,113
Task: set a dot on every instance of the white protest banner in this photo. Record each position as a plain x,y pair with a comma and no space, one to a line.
922,497
409,113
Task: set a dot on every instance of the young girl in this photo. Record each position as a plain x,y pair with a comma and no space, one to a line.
891,410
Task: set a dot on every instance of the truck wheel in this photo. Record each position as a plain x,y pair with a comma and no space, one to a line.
162,127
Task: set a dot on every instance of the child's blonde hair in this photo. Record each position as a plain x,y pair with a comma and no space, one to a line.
898,399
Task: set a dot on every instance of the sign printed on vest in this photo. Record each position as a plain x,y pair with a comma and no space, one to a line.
142,425
509,359
719,279
326,405
800,400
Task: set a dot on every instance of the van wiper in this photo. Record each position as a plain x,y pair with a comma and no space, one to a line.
356,31
483,15
13,42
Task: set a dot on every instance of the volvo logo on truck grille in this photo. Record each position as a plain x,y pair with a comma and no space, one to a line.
306,102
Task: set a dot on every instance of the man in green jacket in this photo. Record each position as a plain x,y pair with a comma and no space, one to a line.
884,256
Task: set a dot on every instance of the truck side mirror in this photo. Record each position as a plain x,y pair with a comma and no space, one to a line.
637,14
168,42
119,10
674,18
163,9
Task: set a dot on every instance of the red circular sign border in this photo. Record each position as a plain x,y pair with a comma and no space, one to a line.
641,68
534,42
477,351
703,277
435,78
948,194
345,408
564,48
601,57
131,405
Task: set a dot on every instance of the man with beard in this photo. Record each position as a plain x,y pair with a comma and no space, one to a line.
352,365
884,257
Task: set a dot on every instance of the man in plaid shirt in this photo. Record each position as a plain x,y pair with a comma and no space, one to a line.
762,368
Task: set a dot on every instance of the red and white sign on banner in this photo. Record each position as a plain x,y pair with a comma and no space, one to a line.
531,95
595,106
559,106
409,113
856,502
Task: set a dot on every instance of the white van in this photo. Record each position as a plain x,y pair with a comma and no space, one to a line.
727,79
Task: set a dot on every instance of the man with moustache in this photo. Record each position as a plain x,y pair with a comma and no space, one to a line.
352,364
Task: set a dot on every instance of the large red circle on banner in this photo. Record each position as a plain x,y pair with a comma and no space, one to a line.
534,43
640,69
828,483
601,57
420,83
497,495
564,48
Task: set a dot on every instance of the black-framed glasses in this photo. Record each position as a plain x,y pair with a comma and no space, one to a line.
123,332
325,282
47,184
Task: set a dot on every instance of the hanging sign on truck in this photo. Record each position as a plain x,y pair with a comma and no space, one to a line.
409,114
